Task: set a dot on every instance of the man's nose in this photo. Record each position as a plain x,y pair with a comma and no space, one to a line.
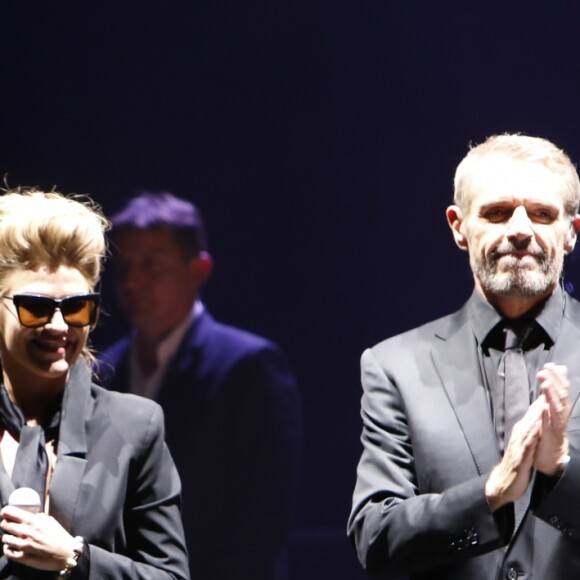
520,225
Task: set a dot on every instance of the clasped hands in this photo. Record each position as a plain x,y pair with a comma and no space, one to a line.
35,540
538,440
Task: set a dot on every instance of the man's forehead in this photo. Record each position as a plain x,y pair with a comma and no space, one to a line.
502,176
150,241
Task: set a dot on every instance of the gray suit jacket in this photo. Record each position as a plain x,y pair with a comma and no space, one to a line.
115,484
419,506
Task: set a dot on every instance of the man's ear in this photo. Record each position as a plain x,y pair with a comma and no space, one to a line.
455,221
202,268
572,234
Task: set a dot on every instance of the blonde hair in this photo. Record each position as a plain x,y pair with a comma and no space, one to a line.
519,148
39,228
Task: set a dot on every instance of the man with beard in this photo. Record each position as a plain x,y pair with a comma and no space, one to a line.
471,436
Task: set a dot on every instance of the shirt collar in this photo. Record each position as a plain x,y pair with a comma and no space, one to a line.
169,345
148,386
551,315
548,315
482,316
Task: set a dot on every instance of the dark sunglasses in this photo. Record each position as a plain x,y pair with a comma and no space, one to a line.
35,311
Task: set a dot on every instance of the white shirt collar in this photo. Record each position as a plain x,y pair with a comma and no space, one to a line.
148,386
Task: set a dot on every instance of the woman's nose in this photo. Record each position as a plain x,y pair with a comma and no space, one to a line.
57,321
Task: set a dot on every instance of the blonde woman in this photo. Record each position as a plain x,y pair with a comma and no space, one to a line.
108,490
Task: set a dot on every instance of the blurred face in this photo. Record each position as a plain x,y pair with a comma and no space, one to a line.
515,228
47,352
156,284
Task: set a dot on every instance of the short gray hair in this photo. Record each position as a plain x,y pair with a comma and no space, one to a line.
520,148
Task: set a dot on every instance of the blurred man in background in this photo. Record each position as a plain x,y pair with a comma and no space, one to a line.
233,411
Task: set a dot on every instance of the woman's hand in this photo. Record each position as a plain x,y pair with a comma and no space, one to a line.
35,540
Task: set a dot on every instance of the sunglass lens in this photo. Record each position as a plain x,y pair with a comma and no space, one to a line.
34,311
78,311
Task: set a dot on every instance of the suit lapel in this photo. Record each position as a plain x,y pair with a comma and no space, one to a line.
72,447
456,361
6,486
565,352
184,370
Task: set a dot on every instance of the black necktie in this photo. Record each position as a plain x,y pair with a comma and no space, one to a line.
516,397
31,463
516,381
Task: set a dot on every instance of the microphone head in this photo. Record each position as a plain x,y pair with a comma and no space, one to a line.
25,498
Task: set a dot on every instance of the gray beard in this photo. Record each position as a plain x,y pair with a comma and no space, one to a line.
519,281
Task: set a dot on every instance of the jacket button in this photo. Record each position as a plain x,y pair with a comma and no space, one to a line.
471,536
553,520
512,574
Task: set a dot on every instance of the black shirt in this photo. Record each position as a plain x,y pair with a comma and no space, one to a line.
543,322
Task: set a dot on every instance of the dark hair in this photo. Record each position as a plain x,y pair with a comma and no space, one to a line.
162,209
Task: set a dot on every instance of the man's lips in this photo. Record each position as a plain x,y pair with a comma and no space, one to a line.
519,255
516,259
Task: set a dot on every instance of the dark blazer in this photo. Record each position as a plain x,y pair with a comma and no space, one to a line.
233,424
115,484
419,505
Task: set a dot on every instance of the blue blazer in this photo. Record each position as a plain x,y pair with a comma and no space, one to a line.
233,425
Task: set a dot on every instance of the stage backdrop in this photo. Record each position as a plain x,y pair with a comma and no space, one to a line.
319,138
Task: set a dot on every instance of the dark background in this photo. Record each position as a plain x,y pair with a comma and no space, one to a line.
319,138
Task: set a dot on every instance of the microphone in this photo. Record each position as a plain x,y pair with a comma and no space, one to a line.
25,498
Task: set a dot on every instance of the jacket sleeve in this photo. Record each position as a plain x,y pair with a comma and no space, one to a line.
556,500
155,546
396,526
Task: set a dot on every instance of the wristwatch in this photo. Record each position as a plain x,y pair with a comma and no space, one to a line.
73,560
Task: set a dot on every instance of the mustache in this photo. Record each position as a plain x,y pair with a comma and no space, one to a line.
531,248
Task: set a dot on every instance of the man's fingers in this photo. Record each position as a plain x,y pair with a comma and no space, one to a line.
555,377
559,409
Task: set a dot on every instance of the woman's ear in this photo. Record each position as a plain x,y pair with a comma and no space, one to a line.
455,221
